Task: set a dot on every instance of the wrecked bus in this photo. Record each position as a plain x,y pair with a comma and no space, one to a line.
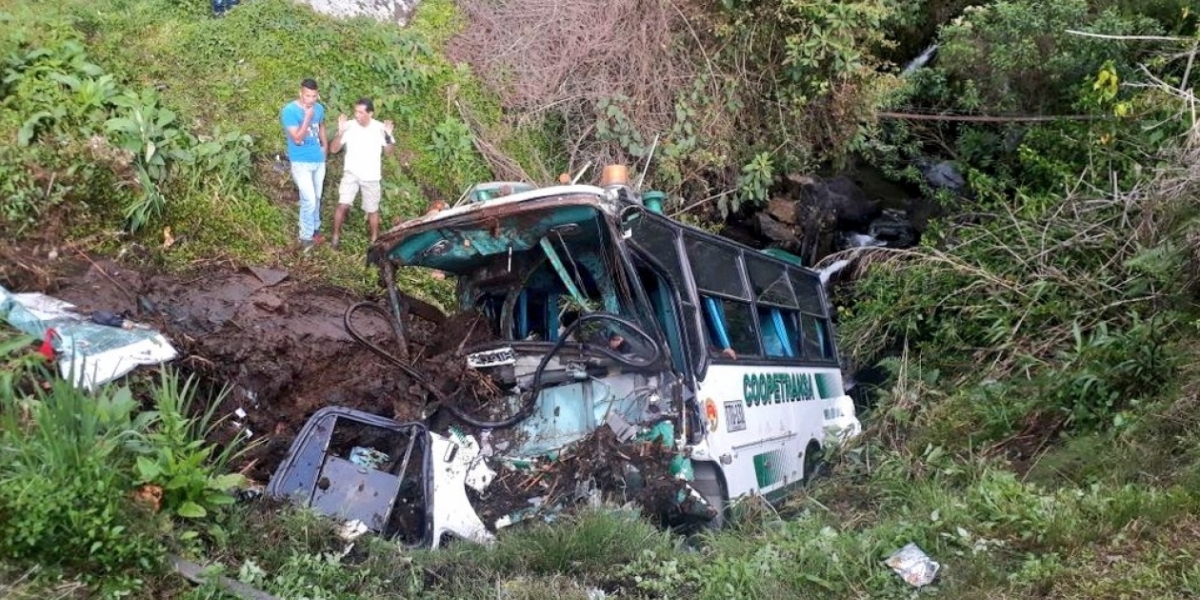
615,355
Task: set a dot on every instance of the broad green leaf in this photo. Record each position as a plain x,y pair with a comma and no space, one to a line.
148,470
191,510
123,124
218,499
226,482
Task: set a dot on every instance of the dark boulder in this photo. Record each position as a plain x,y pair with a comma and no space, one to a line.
778,233
850,203
943,176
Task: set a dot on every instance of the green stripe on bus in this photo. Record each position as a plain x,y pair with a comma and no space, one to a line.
827,386
768,467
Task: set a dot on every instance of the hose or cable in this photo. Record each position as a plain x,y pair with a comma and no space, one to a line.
535,386
388,356
438,396
531,394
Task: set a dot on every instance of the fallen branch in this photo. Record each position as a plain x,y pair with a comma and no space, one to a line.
503,167
987,118
1132,38
194,573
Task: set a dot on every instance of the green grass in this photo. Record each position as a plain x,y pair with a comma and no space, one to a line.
251,63
1103,508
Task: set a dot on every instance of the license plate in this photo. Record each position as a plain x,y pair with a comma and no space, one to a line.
735,416
491,358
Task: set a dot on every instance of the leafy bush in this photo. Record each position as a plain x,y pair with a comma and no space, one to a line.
173,453
71,463
88,139
1014,58
64,483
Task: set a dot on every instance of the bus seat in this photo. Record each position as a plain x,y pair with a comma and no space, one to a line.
552,317
779,330
717,313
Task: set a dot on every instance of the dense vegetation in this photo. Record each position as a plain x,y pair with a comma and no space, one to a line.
1037,431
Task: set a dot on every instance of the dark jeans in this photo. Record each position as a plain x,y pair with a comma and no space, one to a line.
220,6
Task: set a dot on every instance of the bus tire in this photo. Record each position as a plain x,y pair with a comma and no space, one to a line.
814,462
711,484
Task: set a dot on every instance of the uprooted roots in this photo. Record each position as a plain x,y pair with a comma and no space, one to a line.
599,467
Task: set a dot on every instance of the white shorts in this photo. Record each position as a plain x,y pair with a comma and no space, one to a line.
371,192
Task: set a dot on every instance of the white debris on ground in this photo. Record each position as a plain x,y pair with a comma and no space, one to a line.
394,11
89,354
913,565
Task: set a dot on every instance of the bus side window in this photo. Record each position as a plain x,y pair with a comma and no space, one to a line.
732,326
808,293
658,290
817,342
660,240
714,323
778,332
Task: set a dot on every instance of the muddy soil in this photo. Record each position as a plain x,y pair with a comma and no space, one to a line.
280,346
279,343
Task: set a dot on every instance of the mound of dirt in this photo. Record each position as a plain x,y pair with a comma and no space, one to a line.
279,344
281,348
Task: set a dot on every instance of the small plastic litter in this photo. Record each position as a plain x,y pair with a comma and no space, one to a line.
913,565
352,530
47,347
367,457
248,494
111,319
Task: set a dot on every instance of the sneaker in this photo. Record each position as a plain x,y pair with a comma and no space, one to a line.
318,238
335,243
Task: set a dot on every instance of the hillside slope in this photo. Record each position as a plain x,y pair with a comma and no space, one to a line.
1035,433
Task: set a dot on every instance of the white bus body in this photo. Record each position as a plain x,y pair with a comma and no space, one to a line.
604,315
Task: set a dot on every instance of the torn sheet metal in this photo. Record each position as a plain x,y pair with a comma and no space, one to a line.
452,512
567,413
330,470
90,354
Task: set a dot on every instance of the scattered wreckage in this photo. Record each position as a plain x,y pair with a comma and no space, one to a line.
610,354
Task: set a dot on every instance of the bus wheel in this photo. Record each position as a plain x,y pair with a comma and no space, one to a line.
709,483
814,462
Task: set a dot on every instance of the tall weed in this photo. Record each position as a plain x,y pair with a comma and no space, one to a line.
173,452
65,483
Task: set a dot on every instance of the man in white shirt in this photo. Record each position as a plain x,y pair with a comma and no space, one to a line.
365,140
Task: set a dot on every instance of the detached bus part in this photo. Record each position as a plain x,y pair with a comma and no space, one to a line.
630,357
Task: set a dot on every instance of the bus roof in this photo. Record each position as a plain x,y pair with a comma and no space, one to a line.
547,197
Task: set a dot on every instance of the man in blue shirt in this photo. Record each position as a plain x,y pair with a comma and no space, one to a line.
303,122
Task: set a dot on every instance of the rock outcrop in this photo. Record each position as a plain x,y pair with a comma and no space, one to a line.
391,11
395,11
814,217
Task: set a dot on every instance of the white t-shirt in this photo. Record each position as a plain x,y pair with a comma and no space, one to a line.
364,150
